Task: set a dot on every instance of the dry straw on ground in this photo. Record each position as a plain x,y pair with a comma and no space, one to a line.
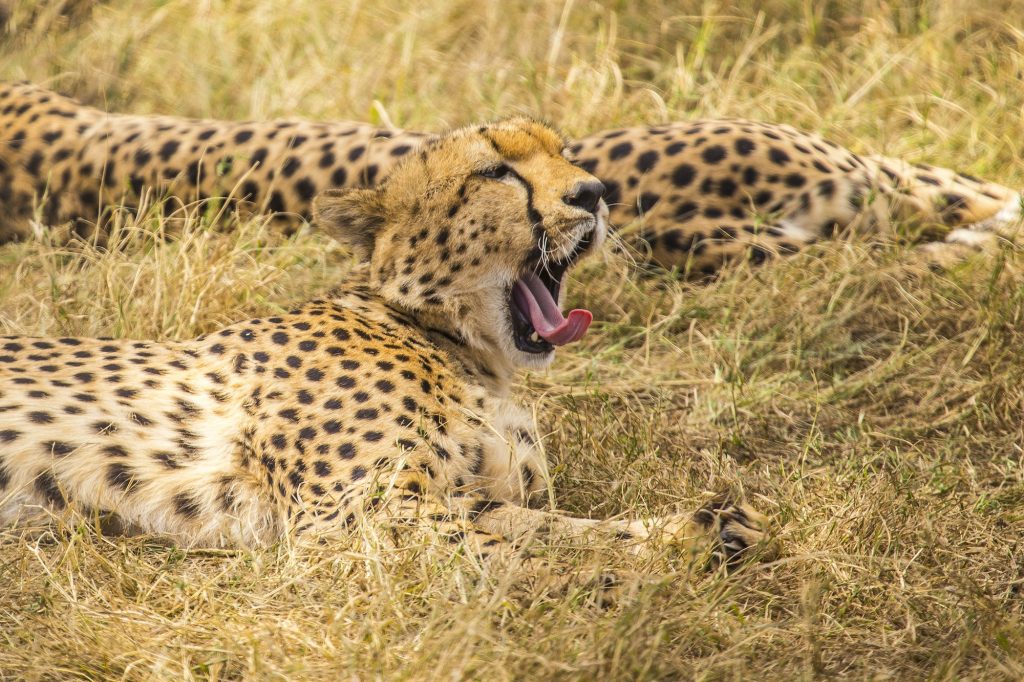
872,406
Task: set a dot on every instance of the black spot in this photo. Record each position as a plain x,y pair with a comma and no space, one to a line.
34,163
647,201
952,199
744,146
46,485
683,175
142,420
686,211
243,136
829,228
778,156
105,427
276,203
305,189
291,165
675,148
186,505
726,188
619,151
339,177
120,476
758,255
58,448
677,240
713,154
646,161
194,172
168,149
115,451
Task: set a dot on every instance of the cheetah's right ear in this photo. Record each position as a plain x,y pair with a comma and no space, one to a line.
353,216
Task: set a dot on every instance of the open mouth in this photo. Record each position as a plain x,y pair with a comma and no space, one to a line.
538,324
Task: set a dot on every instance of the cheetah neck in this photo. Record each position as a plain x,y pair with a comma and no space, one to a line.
480,365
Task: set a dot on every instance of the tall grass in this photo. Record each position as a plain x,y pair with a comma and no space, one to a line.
872,406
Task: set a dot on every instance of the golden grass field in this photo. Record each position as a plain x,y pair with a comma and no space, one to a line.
872,406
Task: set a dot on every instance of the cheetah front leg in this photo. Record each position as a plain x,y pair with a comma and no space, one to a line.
723,529
489,527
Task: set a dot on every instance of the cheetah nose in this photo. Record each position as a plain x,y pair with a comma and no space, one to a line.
585,195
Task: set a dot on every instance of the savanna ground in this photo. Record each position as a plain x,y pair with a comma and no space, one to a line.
872,406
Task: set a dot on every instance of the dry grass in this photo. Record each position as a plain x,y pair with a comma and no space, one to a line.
873,407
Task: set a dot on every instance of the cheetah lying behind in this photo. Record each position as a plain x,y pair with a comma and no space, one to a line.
387,400
691,196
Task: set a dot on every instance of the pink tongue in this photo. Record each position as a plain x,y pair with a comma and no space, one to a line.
536,301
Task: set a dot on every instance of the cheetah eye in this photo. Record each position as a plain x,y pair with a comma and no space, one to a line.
495,172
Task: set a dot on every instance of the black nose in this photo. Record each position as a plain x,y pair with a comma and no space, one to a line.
585,195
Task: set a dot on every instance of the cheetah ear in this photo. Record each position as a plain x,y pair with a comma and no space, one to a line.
353,216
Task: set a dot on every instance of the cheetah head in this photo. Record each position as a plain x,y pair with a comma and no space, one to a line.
476,233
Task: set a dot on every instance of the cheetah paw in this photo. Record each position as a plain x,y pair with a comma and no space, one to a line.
737,527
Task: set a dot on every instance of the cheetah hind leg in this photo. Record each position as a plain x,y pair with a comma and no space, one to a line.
975,214
934,194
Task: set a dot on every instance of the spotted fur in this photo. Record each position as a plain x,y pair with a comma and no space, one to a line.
691,196
388,400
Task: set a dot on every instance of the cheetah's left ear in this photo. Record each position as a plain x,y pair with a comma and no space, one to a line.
353,216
